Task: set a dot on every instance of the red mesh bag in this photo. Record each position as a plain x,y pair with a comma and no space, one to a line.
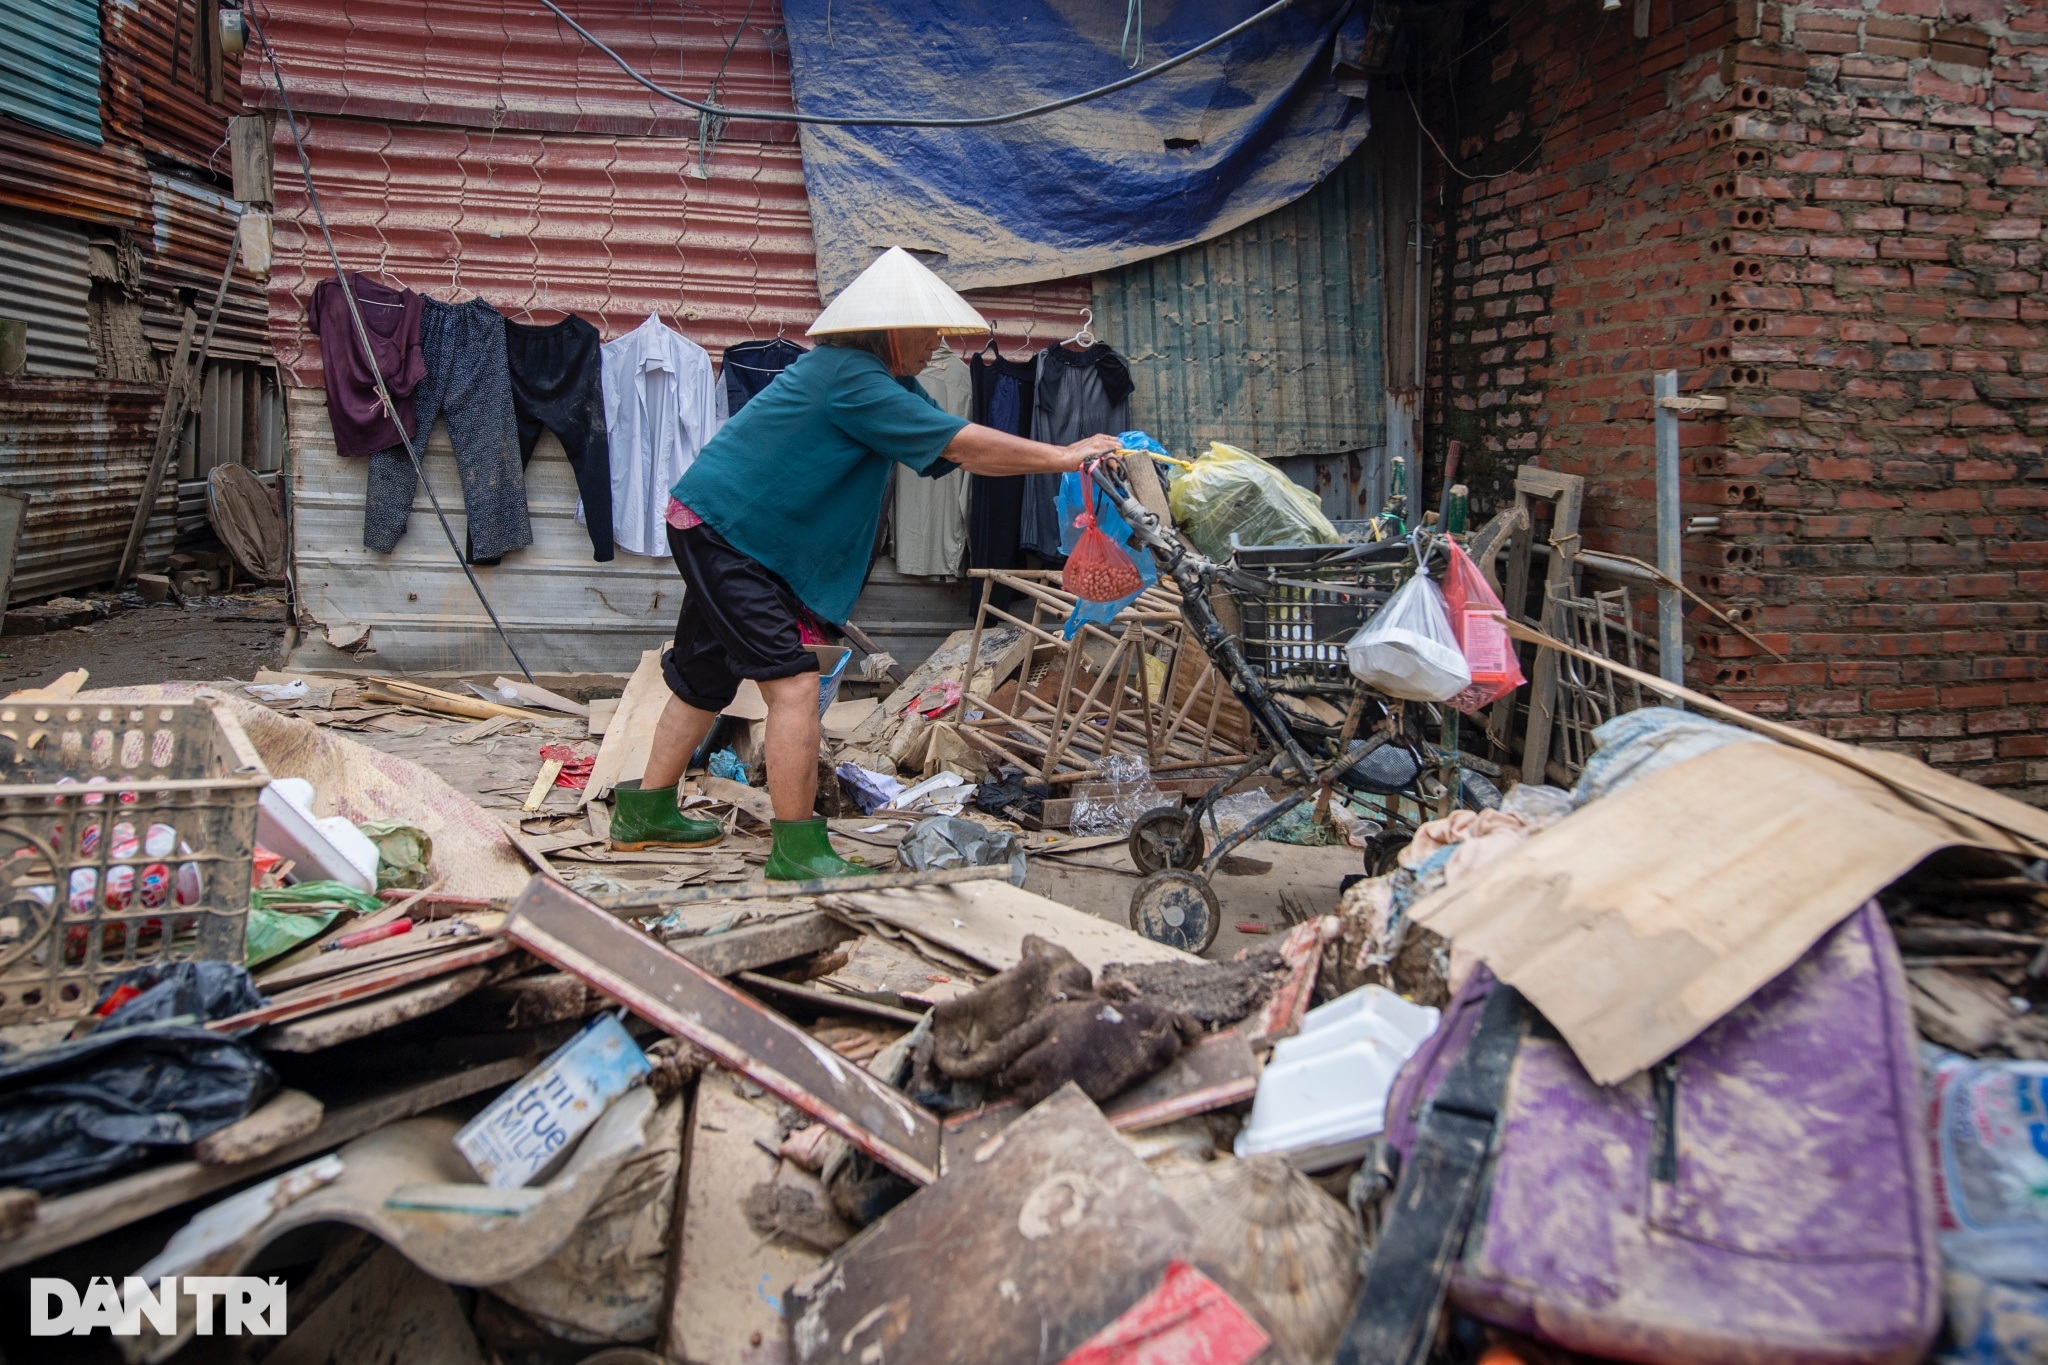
1098,570
1477,622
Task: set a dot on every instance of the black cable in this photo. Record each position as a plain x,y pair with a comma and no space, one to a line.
348,294
884,121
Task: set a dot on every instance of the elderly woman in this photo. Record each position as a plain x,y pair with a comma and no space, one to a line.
779,513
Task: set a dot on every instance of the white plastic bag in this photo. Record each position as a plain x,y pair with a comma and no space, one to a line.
1407,649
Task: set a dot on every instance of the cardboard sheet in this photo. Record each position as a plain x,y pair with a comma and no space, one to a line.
986,922
1642,919
630,732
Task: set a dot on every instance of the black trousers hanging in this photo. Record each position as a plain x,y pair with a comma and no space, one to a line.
558,384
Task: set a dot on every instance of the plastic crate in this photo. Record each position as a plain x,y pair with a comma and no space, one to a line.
127,833
1294,634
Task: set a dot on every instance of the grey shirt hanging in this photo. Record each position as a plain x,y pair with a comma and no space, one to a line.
1078,393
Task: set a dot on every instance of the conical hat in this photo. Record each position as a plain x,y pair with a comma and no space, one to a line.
898,291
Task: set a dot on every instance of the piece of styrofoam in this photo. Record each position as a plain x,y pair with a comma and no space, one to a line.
286,825
1324,1094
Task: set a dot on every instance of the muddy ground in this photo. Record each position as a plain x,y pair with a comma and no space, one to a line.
217,637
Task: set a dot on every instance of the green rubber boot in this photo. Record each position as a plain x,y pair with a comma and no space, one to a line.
799,851
649,819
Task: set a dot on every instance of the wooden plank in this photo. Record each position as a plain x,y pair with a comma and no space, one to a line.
642,903
830,1000
360,985
603,710
1569,490
289,1116
330,1028
79,1217
753,946
414,943
535,695
681,998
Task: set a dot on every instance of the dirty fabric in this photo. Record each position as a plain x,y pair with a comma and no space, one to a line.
931,514
661,404
1077,393
1239,131
1210,993
392,318
1002,391
795,480
466,384
558,385
752,366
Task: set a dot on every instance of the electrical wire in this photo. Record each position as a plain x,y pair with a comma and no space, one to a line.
889,121
348,294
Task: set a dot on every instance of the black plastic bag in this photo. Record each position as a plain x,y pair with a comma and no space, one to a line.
77,1113
206,991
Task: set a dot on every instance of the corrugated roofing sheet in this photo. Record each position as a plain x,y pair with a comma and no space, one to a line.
184,246
152,97
43,282
47,173
79,448
608,228
1269,337
491,64
50,65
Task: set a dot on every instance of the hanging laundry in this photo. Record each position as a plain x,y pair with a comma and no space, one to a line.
931,514
661,404
558,384
1003,392
1078,393
752,366
392,318
467,383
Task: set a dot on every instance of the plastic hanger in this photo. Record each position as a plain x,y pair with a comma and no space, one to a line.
1084,338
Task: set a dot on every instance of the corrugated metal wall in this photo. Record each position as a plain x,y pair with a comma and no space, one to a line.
43,282
79,448
1269,337
50,65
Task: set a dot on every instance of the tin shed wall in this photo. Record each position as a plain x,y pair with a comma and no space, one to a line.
43,283
1268,337
50,65
79,448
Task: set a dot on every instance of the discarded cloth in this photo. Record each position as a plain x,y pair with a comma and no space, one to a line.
558,385
392,318
78,1112
931,514
752,366
466,383
1462,827
1637,743
661,404
995,503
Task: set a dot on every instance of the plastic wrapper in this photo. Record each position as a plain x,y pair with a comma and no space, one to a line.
79,1112
869,789
1985,1119
1097,569
403,853
1230,492
1479,622
1407,649
947,841
1111,804
1071,502
725,764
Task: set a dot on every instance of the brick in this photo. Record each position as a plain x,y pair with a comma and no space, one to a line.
1832,188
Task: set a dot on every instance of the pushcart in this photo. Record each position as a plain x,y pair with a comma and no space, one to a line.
1294,608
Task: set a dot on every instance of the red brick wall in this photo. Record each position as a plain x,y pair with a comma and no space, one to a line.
1834,217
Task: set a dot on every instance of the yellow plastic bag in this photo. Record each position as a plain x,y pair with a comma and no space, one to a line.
1230,491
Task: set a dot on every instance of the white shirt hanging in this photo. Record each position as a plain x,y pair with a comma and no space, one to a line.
661,405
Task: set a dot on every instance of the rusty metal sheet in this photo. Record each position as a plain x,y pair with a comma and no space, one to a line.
150,96
559,926
184,245
45,173
1041,1237
490,65
79,449
43,281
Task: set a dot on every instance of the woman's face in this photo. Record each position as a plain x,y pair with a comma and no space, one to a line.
910,349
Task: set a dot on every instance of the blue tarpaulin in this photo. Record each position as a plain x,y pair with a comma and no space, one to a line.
1235,133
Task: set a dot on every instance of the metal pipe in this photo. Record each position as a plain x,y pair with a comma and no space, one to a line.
1670,538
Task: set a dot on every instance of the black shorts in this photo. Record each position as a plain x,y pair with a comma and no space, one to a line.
739,620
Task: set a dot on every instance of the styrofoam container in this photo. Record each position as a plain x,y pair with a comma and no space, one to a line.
320,848
1323,1097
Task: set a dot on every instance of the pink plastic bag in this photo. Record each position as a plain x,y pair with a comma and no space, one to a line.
1479,622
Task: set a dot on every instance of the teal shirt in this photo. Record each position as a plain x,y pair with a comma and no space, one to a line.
795,480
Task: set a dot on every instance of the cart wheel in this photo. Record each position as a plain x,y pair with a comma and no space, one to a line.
1178,909
1167,837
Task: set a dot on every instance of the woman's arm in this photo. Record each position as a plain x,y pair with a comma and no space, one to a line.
984,450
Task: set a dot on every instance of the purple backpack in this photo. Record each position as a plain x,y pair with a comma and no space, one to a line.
1761,1197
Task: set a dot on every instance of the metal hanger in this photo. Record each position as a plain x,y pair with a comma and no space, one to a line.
526,314
382,276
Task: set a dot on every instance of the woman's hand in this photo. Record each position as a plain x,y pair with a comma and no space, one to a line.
1088,448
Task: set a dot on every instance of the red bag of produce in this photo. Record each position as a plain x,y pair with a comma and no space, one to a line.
1479,622
1098,570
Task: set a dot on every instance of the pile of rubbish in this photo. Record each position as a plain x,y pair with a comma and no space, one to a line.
1662,1067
